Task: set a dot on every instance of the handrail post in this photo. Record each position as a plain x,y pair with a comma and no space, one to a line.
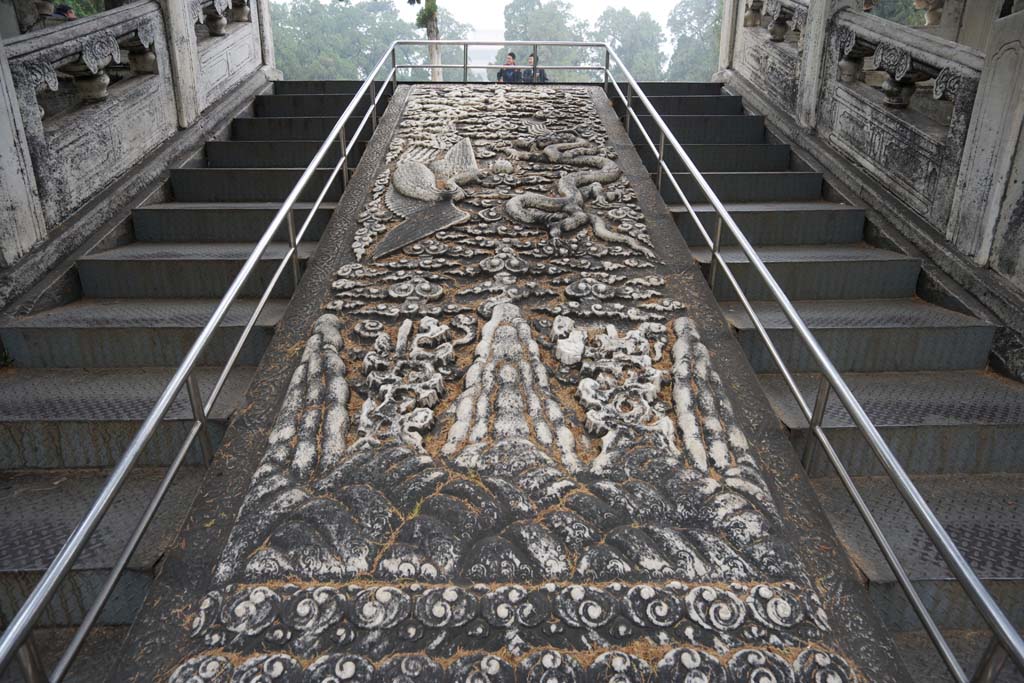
629,106
607,68
807,458
296,274
716,248
661,156
991,663
373,104
31,663
465,63
536,58
394,69
344,157
195,398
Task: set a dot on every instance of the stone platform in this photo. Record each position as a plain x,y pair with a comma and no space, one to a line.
503,433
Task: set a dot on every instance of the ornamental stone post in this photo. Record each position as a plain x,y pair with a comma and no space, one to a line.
22,224
179,21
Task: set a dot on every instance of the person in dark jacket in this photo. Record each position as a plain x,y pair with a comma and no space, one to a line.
534,74
509,75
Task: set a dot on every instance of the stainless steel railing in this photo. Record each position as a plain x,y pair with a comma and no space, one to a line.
15,640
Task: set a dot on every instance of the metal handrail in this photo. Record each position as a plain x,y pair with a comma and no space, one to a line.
1005,635
1006,641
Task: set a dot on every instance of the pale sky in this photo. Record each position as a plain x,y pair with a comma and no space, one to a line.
488,19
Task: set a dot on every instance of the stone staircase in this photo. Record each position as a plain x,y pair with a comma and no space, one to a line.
920,370
82,376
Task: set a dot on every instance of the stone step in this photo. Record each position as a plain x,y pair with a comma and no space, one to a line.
714,105
922,660
779,186
86,417
729,130
675,89
94,661
841,271
944,422
778,223
301,105
315,87
274,154
221,221
39,510
134,333
881,335
984,515
709,158
151,270
249,184
292,128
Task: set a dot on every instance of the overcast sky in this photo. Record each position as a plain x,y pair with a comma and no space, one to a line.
488,19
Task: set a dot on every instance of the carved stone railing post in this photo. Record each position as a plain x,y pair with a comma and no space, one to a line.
22,224
813,23
180,20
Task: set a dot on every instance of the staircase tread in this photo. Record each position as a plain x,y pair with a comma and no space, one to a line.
743,207
853,314
983,513
176,251
40,509
809,253
944,398
923,662
107,394
93,662
173,313
788,173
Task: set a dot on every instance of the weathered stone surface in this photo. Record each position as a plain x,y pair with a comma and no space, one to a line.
506,453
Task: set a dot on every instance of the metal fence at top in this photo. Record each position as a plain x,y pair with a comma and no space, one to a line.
615,78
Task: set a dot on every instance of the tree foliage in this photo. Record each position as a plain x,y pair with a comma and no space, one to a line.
900,11
694,26
636,39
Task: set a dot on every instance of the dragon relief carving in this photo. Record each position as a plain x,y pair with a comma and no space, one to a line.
506,445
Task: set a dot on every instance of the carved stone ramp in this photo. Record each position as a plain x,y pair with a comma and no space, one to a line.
521,447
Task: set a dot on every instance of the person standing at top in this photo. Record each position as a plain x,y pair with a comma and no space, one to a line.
509,74
534,74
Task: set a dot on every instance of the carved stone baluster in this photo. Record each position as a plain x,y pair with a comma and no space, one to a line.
91,79
212,15
779,26
141,56
240,10
851,55
752,17
900,84
932,11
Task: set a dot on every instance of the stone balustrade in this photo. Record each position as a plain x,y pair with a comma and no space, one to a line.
91,98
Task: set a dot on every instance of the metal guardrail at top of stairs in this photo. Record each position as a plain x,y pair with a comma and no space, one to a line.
16,638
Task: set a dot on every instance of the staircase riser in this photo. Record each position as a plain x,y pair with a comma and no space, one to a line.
309,129
672,90
928,449
176,279
730,158
878,350
717,105
946,602
708,130
73,444
270,185
315,87
126,347
781,228
219,225
745,188
823,280
302,105
75,596
294,154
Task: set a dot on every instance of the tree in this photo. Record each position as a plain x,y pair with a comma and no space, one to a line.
547,20
426,19
636,39
694,26
314,40
900,11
